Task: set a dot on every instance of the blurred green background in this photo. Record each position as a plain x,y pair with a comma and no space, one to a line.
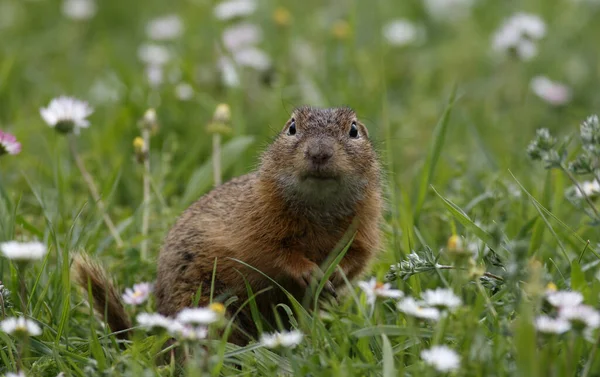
396,63
319,53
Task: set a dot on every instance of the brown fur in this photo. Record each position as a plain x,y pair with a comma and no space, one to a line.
106,298
284,219
278,220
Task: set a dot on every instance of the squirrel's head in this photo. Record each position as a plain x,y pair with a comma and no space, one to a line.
322,157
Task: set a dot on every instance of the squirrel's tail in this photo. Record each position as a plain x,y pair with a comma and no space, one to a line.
107,300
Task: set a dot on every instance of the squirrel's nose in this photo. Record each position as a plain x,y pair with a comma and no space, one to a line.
319,153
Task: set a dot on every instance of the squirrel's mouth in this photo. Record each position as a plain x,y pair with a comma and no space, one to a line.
320,179
319,176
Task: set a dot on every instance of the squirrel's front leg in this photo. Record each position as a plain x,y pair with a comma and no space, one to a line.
303,271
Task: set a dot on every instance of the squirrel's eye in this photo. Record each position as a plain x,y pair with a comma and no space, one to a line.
353,131
292,129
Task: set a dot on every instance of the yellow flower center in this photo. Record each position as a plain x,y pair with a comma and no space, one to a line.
217,307
281,16
454,243
138,144
341,30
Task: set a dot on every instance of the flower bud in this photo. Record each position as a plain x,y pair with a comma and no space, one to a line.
282,16
222,113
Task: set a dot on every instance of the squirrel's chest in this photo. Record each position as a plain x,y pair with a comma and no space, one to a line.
314,243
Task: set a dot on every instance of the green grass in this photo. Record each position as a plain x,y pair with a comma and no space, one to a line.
451,124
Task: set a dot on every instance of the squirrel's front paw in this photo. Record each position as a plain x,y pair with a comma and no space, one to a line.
316,275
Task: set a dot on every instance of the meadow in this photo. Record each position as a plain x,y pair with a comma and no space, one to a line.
482,113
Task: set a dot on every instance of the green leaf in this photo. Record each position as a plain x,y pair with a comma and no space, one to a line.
388,358
347,239
525,342
391,330
538,231
542,211
435,149
465,220
202,178
578,282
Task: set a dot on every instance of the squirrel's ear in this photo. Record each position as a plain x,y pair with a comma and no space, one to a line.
287,124
363,129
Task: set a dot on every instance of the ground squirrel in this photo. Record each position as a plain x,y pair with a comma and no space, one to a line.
317,178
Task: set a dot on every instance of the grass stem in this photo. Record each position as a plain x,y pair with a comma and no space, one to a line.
94,191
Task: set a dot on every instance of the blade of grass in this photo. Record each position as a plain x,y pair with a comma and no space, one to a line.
538,231
292,299
201,179
435,149
465,220
542,210
388,357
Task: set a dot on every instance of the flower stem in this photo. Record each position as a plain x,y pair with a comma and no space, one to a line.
587,198
216,157
488,274
591,359
146,203
22,290
2,307
21,354
94,191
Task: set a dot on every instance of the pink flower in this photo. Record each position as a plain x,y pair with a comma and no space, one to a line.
138,295
550,91
9,144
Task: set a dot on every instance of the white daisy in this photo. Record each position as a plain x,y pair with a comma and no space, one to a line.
589,188
562,299
198,316
164,28
442,358
286,339
415,309
550,91
229,74
187,332
154,75
229,9
518,34
252,57
9,144
152,320
20,326
138,295
18,374
374,289
184,91
23,251
551,325
580,316
79,10
400,32
153,54
241,35
441,298
67,114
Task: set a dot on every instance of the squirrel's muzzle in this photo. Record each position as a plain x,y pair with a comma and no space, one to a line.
319,152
